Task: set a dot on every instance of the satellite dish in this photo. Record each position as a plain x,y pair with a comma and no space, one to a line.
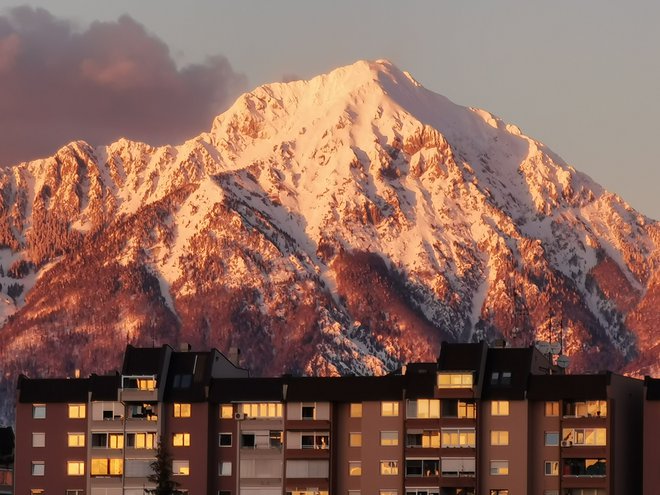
555,347
562,361
543,346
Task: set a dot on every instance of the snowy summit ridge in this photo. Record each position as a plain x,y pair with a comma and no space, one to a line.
347,223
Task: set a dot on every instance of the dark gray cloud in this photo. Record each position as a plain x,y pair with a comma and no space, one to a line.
111,80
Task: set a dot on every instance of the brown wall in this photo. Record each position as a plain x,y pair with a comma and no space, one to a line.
539,424
371,452
196,453
516,423
626,418
55,454
651,447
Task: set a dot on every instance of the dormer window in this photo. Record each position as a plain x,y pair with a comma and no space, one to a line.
502,378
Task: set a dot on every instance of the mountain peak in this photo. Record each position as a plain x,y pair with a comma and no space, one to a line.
347,223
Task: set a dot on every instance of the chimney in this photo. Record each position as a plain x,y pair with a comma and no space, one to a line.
184,347
235,356
76,373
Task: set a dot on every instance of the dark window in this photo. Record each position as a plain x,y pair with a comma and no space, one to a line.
308,412
225,439
275,438
99,439
248,440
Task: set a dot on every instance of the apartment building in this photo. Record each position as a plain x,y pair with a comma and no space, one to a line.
651,449
486,421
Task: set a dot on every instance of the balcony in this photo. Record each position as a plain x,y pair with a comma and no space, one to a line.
140,388
584,468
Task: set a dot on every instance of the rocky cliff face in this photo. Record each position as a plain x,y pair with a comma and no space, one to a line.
349,223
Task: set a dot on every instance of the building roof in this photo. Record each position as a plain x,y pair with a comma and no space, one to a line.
225,390
345,388
145,360
420,380
502,361
570,387
188,376
104,387
52,389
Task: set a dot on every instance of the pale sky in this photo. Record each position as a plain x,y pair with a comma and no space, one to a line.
580,76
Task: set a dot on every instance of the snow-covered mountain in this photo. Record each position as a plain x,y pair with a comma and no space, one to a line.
348,223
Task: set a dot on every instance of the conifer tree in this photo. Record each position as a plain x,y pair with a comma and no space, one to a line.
162,473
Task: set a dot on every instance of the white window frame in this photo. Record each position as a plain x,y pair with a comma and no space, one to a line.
499,467
392,441
38,439
178,465
38,411
38,468
225,434
224,468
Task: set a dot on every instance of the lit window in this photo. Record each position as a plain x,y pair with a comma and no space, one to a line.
387,492
458,437
107,467
141,440
224,439
389,438
355,439
180,468
552,468
182,410
116,441
226,411
75,468
181,439
584,409
455,380
76,439
39,411
38,468
499,437
38,439
356,410
148,384
583,436
423,438
552,408
389,468
77,411
500,408
355,468
551,438
261,410
224,468
37,491
499,492
389,408
498,468
423,408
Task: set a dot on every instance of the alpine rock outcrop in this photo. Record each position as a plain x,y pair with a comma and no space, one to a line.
345,224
